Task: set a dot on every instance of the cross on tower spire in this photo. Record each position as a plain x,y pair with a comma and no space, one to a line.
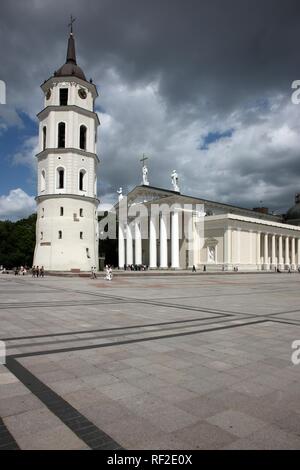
71,24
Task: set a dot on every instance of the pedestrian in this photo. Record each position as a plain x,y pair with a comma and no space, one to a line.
42,271
194,268
108,276
33,271
93,272
37,271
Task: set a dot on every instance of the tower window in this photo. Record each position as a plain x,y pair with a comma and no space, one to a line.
81,212
44,137
63,96
60,178
60,234
43,212
43,180
81,235
82,180
61,211
82,138
61,135
87,253
42,235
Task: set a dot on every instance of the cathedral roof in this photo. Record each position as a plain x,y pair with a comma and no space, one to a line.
70,68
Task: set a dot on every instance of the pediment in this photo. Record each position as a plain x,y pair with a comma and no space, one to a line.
144,194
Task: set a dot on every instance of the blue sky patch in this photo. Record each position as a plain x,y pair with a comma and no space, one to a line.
12,141
213,137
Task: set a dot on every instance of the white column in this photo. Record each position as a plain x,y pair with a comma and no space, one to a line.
227,248
280,251
121,245
129,250
138,243
258,250
287,252
189,221
298,251
293,248
175,240
152,244
163,241
266,251
273,261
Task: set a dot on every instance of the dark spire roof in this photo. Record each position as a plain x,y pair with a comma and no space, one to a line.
70,68
71,54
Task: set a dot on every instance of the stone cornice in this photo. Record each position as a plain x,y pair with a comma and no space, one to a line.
231,218
47,151
44,113
53,81
43,197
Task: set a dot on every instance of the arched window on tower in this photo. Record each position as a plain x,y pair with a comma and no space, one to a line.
43,180
44,137
82,137
82,180
61,135
60,178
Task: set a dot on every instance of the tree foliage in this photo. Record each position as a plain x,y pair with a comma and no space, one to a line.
17,242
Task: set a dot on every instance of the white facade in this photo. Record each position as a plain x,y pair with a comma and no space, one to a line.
67,223
179,232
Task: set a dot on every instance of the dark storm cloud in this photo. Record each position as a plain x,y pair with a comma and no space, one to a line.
213,65
220,52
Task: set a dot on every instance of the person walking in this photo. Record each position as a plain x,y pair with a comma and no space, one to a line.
93,272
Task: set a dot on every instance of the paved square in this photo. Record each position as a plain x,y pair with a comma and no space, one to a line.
150,362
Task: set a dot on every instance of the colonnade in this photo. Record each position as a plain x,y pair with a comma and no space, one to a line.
277,250
130,242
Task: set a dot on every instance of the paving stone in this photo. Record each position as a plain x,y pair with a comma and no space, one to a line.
203,435
7,378
18,404
237,423
268,438
31,422
55,438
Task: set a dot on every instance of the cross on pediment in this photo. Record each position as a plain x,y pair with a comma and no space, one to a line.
144,159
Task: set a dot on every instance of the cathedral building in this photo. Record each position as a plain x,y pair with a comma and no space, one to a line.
219,236
67,223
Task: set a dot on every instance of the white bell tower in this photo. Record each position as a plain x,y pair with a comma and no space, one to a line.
67,225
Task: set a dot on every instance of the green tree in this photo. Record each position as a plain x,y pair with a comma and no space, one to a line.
17,242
